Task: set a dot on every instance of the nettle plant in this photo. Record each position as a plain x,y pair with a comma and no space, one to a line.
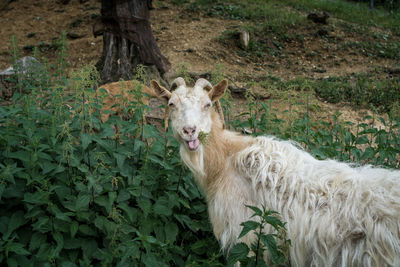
75,192
265,243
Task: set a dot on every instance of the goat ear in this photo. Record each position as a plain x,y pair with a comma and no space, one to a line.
160,91
218,90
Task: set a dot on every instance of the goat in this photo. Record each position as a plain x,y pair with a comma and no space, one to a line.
337,214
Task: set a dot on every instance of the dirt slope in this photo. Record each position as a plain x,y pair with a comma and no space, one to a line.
183,39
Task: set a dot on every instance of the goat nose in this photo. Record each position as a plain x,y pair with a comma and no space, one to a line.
189,130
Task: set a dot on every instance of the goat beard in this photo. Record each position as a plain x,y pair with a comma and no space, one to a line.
193,159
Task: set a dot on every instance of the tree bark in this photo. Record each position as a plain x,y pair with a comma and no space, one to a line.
127,40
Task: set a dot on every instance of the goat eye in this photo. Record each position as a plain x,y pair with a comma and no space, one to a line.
170,104
207,106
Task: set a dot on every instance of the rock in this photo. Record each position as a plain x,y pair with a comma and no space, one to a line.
64,2
323,32
74,35
25,68
319,18
244,39
319,70
23,65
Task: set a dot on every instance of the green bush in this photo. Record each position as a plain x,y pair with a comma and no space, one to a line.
73,192
363,92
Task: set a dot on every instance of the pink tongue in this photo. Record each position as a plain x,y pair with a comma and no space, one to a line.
193,144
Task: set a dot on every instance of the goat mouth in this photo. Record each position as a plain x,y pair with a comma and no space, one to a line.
193,144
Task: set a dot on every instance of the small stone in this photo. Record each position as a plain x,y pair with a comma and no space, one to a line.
244,39
74,35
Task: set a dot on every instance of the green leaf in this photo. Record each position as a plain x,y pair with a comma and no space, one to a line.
123,196
64,216
85,229
120,160
12,262
89,247
106,201
16,220
72,243
132,213
44,251
163,164
60,243
39,198
74,226
36,240
185,220
237,253
18,249
270,242
369,153
86,140
247,227
68,264
82,202
42,225
24,156
145,205
104,224
161,207
83,168
171,231
150,259
200,246
362,140
256,210
274,221
47,166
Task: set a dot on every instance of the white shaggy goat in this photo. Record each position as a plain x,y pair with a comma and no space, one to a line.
336,214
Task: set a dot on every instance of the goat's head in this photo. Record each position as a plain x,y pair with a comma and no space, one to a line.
190,108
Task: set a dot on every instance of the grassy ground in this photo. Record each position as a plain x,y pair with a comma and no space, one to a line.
279,29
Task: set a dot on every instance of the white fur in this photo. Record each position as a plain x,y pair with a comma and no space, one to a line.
337,214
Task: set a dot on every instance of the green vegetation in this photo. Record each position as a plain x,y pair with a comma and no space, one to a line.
278,11
360,91
278,251
75,192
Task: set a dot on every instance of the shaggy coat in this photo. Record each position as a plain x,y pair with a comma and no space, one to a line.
337,214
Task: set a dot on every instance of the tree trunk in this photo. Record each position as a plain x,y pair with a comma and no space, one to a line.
127,40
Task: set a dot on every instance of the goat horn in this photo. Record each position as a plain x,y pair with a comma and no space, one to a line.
221,114
177,82
203,84
166,118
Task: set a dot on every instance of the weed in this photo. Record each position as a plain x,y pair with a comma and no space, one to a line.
276,242
183,71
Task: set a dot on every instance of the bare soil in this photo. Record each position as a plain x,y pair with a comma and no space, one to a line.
184,39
